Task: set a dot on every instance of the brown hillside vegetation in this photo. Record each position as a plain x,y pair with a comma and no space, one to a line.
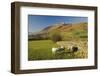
66,27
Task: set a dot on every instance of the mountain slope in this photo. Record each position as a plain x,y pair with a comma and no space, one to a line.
66,27
67,31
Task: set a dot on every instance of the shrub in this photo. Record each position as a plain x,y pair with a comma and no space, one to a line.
56,37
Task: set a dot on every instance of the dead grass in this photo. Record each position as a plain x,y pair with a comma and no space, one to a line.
82,45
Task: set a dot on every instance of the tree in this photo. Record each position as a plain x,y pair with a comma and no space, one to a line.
56,37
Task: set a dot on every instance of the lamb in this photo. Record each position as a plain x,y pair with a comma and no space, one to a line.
58,50
73,48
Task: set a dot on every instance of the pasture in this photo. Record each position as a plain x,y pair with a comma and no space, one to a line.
42,50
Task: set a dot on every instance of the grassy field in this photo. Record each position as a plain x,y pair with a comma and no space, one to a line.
42,50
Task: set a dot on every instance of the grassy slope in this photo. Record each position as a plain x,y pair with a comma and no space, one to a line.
71,32
66,27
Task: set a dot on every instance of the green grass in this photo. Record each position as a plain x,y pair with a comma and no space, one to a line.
74,35
40,49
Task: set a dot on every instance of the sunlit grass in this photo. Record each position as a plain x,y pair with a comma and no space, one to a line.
42,50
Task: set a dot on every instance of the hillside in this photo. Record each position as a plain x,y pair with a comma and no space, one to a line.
67,31
65,27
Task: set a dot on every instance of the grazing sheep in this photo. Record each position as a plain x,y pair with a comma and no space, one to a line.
58,50
54,50
73,48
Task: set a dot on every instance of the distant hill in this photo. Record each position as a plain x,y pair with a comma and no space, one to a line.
66,27
78,30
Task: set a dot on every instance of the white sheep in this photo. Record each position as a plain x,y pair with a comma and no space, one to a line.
54,50
59,49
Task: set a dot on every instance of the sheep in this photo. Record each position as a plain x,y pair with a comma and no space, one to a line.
58,50
73,48
54,50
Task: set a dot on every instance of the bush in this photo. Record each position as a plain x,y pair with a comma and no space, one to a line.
56,37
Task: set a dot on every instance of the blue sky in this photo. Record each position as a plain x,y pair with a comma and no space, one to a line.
38,22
